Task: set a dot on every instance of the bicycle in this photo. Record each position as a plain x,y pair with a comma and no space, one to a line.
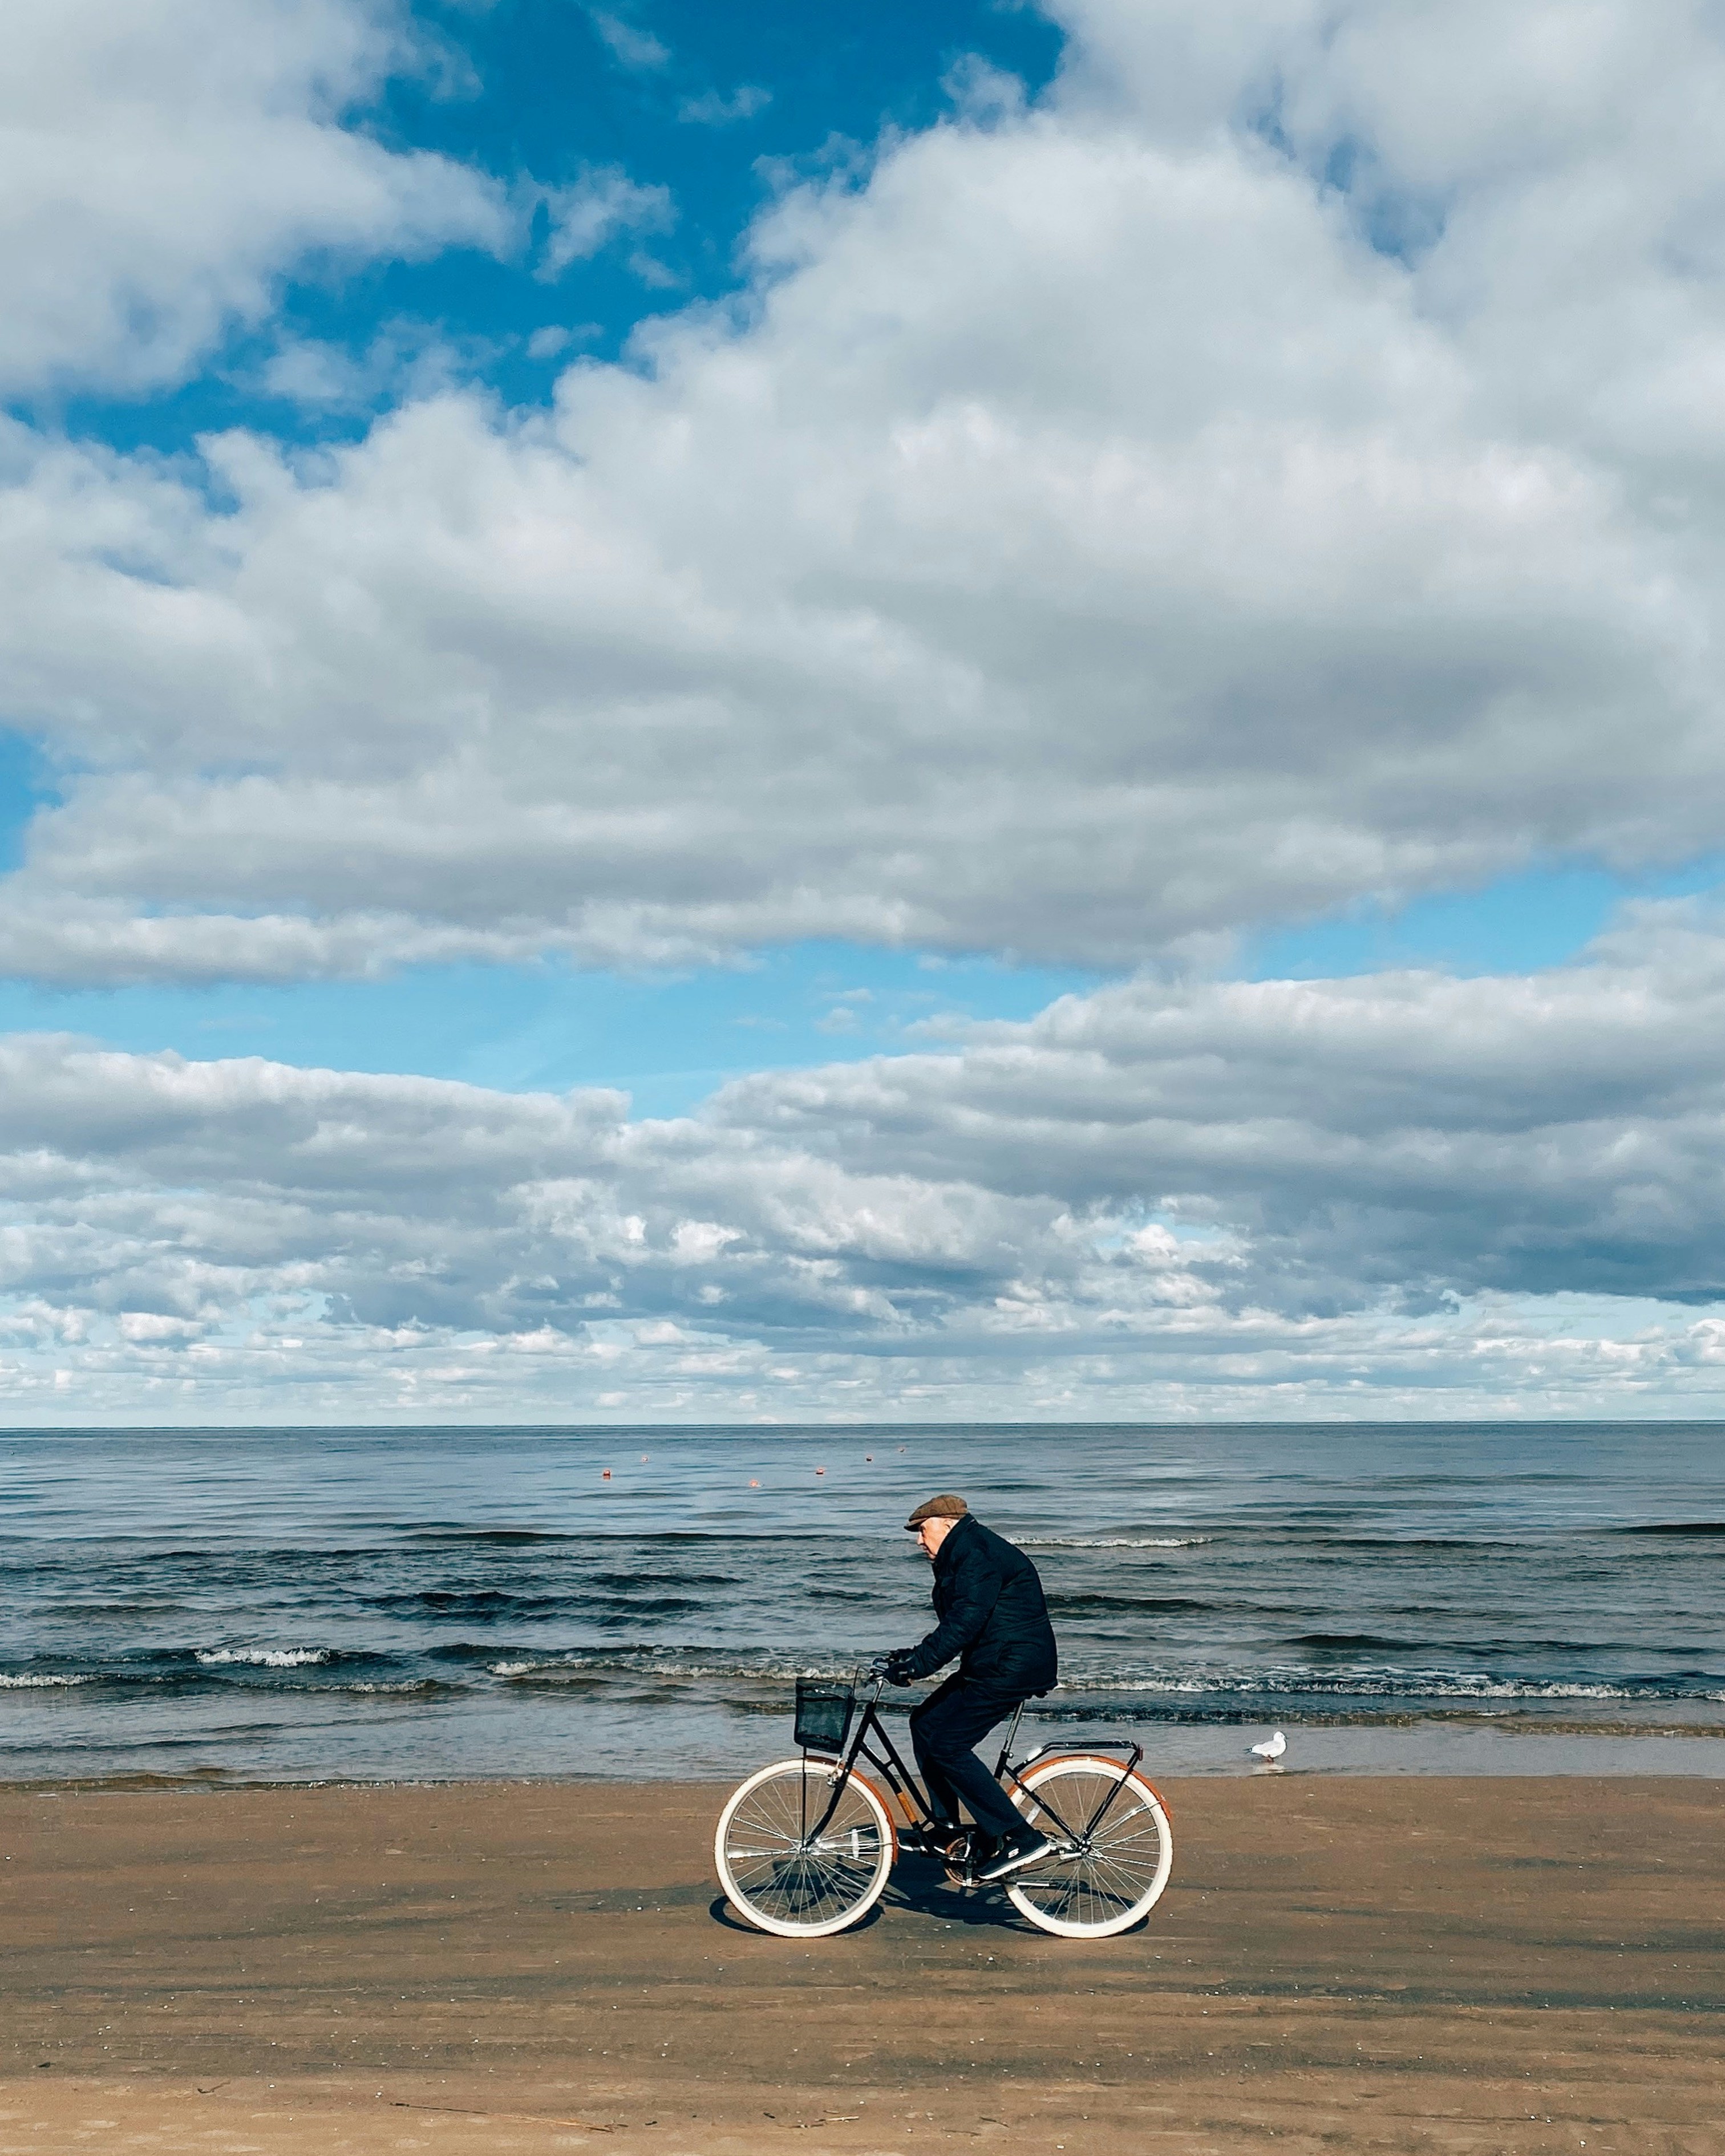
804,1847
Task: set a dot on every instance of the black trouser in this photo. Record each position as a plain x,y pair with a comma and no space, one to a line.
949,1721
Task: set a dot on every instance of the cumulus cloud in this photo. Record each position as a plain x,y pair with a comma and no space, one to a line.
164,163
1099,526
712,108
1411,1136
593,210
1155,1199
627,44
403,358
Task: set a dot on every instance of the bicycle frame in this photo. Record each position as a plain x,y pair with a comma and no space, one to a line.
1041,1804
905,1787
892,1769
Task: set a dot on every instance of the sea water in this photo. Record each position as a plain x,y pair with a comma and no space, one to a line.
444,1603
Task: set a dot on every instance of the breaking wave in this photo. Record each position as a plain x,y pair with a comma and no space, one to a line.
264,1658
1113,1542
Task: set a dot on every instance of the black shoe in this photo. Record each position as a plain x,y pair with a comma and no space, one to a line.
980,1849
1018,1851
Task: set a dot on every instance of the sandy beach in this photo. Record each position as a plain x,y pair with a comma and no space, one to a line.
1339,1964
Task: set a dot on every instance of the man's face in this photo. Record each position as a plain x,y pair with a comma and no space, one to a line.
930,1535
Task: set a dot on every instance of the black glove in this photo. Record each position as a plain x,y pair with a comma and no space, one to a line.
896,1667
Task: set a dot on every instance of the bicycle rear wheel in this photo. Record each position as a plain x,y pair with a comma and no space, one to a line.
1109,1866
783,1877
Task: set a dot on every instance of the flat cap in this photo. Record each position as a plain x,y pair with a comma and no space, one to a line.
948,1507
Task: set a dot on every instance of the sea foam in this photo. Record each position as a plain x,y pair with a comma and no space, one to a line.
1112,1542
264,1658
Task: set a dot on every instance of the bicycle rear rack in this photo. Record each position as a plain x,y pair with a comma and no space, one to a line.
1062,1744
1086,1744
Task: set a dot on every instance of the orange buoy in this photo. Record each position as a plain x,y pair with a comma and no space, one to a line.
754,1484
820,1470
606,1475
868,1459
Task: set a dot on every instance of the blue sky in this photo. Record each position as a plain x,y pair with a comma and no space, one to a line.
24,786
712,105
1515,924
667,1039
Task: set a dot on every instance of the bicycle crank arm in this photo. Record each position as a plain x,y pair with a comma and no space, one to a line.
1063,1852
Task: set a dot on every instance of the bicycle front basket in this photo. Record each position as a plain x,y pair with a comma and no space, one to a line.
823,1711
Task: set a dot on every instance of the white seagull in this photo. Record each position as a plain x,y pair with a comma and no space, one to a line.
1272,1749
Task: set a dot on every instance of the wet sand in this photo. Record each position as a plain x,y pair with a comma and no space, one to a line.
1340,1964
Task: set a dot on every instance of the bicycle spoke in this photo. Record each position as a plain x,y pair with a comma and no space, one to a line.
1094,1885
786,1880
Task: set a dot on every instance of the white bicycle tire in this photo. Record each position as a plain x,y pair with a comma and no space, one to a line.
1143,1842
748,1803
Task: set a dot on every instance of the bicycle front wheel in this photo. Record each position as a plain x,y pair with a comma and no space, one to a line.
1114,1848
786,1878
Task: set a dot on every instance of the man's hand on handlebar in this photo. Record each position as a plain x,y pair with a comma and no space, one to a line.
894,1668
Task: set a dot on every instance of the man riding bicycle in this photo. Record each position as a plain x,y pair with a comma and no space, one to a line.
989,1599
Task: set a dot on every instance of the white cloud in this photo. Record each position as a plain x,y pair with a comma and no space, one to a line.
1364,1197
1405,1135
1084,541
547,343
627,44
163,163
713,109
403,360
593,210
1553,173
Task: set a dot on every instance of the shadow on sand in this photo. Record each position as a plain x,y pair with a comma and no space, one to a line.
920,1887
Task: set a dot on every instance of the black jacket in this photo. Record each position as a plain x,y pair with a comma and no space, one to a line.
989,1599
